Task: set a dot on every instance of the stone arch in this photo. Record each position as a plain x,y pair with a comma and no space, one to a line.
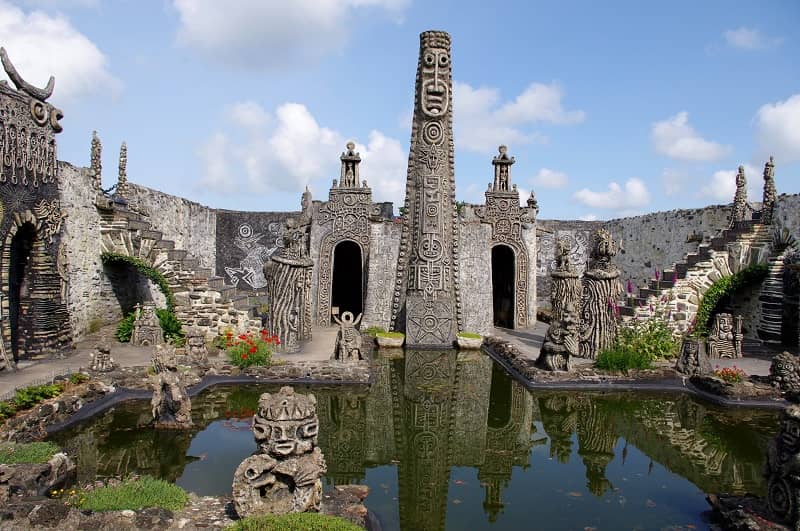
38,306
325,283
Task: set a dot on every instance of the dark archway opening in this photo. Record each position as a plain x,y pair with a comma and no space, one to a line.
499,399
20,285
346,288
503,286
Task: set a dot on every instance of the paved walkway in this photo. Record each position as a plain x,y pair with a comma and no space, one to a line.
43,371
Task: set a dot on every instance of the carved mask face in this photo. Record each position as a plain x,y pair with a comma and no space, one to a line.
286,437
435,91
790,433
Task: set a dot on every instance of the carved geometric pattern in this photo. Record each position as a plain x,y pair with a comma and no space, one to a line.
27,148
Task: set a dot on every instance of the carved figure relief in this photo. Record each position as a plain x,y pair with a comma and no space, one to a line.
348,213
740,206
348,339
101,358
146,327
50,216
170,404
725,339
283,476
693,360
561,341
251,267
196,346
782,469
770,192
601,290
784,372
427,273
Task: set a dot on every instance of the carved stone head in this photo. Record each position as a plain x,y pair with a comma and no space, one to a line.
286,423
434,97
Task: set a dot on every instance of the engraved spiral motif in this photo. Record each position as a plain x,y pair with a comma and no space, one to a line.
245,231
39,112
779,497
432,133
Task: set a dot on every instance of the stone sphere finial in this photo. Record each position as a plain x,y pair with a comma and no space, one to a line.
351,145
503,149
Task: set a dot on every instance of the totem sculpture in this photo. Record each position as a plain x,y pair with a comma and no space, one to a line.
283,476
426,297
740,206
97,162
601,290
196,346
784,372
770,193
101,358
693,360
171,407
725,339
147,330
565,285
289,282
348,339
782,469
561,341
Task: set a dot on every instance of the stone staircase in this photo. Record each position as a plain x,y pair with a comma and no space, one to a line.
677,291
201,299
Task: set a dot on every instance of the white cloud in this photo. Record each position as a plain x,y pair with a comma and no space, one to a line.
547,178
778,129
749,39
286,151
482,122
632,196
41,45
674,181
676,138
271,34
722,186
588,217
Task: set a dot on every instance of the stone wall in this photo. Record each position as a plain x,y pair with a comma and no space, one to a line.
787,214
190,225
578,233
475,272
382,264
244,242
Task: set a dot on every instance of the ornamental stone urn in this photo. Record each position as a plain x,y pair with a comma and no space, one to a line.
395,340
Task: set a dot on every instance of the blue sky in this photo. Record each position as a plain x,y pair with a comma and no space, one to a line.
610,108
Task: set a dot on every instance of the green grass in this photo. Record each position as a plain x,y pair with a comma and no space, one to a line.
469,335
35,452
393,335
373,331
294,522
618,358
139,494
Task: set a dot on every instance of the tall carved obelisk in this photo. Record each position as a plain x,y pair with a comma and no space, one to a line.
426,302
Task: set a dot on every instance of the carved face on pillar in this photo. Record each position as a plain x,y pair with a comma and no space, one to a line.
286,424
790,429
435,73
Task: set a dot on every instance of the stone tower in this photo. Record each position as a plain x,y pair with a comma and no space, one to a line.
426,301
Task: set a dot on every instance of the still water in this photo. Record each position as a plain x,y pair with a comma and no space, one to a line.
447,440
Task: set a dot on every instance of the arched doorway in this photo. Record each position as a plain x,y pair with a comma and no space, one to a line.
20,284
503,285
346,289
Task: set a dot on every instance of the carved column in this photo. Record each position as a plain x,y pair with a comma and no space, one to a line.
740,198
426,300
565,284
601,290
770,193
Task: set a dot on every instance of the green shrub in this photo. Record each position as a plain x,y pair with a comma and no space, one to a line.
373,331
7,409
145,269
469,335
250,349
623,359
170,324
294,522
136,494
77,378
651,337
721,288
30,396
35,452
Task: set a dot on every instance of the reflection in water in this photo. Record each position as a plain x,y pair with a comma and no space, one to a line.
432,413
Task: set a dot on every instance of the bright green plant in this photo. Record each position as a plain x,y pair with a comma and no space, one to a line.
469,335
393,335
77,378
619,358
136,494
250,349
35,452
721,288
170,324
7,409
373,331
294,522
30,396
651,337
145,269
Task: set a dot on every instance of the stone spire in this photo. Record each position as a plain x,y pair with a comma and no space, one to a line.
349,176
533,205
770,192
740,199
426,301
122,177
502,170
96,161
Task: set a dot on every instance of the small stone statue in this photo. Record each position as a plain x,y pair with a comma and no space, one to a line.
283,476
725,340
770,193
348,340
196,346
740,204
101,358
560,342
784,372
693,361
171,406
782,469
146,328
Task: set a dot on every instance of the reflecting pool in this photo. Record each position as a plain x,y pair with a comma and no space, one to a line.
447,440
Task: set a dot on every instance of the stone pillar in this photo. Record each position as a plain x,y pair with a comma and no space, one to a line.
740,199
601,291
122,176
97,162
565,284
426,300
770,193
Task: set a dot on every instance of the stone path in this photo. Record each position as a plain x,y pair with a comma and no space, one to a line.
43,371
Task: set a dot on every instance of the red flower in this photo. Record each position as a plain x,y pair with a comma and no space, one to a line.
244,356
277,341
242,336
253,349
